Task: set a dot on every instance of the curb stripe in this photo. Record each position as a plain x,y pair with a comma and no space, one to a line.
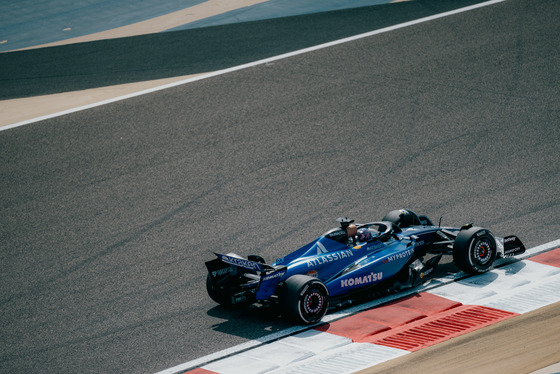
200,371
362,326
442,327
551,258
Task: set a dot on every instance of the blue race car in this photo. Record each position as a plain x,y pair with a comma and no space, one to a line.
354,259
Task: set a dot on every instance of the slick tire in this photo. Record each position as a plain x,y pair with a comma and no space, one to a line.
304,299
256,258
217,294
474,250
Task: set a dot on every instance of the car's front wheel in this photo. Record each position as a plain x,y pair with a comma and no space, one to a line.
474,250
304,299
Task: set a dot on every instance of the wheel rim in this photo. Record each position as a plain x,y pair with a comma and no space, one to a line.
313,305
483,251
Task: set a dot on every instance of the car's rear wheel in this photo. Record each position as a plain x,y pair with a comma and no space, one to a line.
304,299
256,258
474,250
216,294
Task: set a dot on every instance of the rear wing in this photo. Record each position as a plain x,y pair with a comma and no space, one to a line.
234,260
232,265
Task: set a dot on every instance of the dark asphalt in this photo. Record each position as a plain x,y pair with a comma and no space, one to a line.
116,61
108,214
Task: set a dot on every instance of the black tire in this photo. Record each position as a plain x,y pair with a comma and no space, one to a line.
256,258
304,299
474,250
217,294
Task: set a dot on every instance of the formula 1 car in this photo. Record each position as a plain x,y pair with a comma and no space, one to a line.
352,259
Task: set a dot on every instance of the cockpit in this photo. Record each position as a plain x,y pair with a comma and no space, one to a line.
367,234
362,233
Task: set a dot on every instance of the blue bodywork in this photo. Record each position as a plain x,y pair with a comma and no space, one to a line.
344,267
396,253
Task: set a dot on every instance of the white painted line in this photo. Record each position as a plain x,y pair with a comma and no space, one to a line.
346,360
548,370
519,287
316,341
280,354
539,249
259,62
532,297
233,350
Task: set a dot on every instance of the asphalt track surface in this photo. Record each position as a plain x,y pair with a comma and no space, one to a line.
109,213
162,55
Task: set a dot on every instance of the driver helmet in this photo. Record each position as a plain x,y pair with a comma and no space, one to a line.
363,235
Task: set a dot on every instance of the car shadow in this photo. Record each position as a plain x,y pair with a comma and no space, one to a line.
250,322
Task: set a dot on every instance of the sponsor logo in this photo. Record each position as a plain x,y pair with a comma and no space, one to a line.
321,249
329,258
274,275
399,256
313,274
217,273
375,246
509,239
241,262
364,280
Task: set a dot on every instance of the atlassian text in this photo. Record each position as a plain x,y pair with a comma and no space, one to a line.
329,258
